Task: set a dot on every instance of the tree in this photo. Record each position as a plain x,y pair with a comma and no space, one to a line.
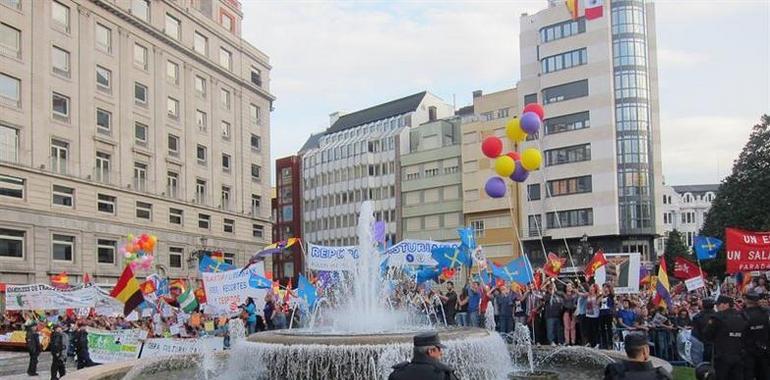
674,248
743,199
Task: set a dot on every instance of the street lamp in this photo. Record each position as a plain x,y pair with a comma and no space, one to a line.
584,248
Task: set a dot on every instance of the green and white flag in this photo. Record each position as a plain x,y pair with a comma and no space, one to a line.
187,301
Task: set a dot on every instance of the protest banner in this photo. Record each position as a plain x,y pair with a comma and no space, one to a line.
46,297
171,346
415,252
622,271
114,346
406,252
331,258
694,283
227,290
747,250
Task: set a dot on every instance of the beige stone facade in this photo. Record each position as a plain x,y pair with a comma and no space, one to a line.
492,219
129,116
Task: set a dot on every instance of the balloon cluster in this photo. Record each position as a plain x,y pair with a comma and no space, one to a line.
514,165
138,251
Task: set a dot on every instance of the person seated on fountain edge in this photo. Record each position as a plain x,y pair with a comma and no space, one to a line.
638,365
426,363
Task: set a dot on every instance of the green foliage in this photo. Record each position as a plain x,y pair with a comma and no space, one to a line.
684,373
743,199
675,247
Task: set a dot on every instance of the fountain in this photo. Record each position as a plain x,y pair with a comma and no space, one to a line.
362,339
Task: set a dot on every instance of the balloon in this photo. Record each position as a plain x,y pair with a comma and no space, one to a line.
492,147
514,155
520,174
504,166
530,122
495,187
531,159
514,132
127,255
536,108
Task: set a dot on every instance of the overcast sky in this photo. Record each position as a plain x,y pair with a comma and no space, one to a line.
714,59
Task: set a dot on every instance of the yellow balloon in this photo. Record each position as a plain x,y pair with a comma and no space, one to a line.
531,159
504,166
514,132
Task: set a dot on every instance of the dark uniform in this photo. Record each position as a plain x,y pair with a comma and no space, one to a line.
58,351
635,369
422,366
33,347
726,330
756,340
81,348
699,322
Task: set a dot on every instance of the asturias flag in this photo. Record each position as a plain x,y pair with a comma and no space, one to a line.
127,291
306,291
706,248
518,270
208,265
662,288
451,257
258,282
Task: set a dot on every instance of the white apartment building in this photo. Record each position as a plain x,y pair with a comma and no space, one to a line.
601,179
129,116
357,159
684,209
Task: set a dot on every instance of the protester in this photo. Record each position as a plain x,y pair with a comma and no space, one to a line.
251,309
554,308
474,303
638,365
591,320
568,315
426,361
449,303
606,315
461,317
504,308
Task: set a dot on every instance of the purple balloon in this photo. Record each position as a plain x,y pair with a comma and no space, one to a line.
519,174
495,187
530,122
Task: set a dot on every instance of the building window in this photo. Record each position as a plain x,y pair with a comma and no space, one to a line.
256,172
59,156
567,186
140,176
63,196
172,184
478,228
565,92
256,142
200,120
9,144
564,61
10,90
172,107
140,93
224,96
562,30
570,218
60,61
12,187
200,85
103,121
256,201
225,58
256,77
61,106
565,123
225,130
173,145
175,216
60,15
141,9
225,162
175,257
10,41
11,243
204,221
172,72
254,113
103,78
102,172
200,191
200,153
140,56
533,192
103,38
172,26
229,226
568,154
227,21
105,251
200,43
258,231
63,247
225,198
143,210
140,133
535,223
106,203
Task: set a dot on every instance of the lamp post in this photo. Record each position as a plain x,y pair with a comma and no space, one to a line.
584,249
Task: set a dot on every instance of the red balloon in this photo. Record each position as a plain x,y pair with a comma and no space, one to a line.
536,108
492,147
515,155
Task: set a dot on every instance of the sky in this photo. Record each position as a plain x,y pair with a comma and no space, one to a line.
327,56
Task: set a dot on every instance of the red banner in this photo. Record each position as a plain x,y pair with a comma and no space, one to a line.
747,250
685,269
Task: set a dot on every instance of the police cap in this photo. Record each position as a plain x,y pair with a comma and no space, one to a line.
725,299
427,339
635,340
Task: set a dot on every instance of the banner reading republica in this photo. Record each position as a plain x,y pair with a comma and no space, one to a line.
163,346
115,346
46,297
747,250
225,291
331,258
406,252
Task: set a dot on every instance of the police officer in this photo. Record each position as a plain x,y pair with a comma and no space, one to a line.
756,340
726,330
426,363
701,352
638,365
81,347
33,347
58,353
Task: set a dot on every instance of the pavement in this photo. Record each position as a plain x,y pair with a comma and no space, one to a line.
13,365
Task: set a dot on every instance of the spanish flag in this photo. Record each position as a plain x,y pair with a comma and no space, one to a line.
572,6
60,281
127,291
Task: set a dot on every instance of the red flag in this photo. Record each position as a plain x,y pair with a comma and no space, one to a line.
86,278
538,279
447,273
553,266
147,287
218,256
597,262
594,9
60,281
685,269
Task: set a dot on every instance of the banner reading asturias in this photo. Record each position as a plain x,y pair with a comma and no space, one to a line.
225,291
747,250
46,297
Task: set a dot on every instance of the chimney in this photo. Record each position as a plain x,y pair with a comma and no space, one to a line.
477,93
333,117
